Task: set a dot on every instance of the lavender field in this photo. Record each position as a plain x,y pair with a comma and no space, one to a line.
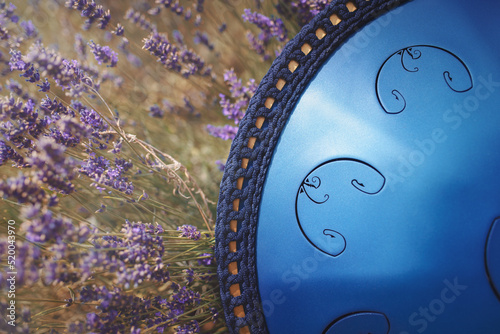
116,119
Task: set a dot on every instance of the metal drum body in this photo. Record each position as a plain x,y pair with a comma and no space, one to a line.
379,206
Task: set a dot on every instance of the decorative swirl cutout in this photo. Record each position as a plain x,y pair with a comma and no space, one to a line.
315,182
401,100
361,187
360,322
414,54
303,190
413,74
338,245
350,180
449,81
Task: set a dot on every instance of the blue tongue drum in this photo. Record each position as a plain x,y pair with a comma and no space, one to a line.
384,185
362,196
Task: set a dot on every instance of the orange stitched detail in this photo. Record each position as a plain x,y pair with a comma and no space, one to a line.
260,121
351,6
335,19
235,290
269,102
281,83
320,33
233,268
236,204
305,48
239,311
292,65
232,247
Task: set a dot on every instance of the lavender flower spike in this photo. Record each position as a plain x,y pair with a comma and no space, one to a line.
189,231
103,54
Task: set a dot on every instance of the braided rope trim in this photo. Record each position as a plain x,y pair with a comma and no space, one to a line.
253,147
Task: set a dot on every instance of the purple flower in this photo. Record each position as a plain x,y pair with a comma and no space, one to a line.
189,277
144,196
55,108
135,330
226,132
104,20
44,86
301,10
80,46
7,12
188,15
52,166
270,27
77,327
103,54
189,106
189,328
117,146
206,259
69,132
67,74
178,37
140,20
95,122
141,242
199,6
140,245
21,122
168,54
215,313
119,30
113,303
92,11
93,321
26,315
220,165
202,38
181,60
16,62
154,11
233,111
102,172
197,20
16,88
31,74
48,227
189,231
31,211
258,46
7,153
186,296
174,6
29,29
156,111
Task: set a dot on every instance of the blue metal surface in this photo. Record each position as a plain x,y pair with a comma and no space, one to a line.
383,189
363,322
493,257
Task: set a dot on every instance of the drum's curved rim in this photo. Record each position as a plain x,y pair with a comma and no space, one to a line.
252,149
